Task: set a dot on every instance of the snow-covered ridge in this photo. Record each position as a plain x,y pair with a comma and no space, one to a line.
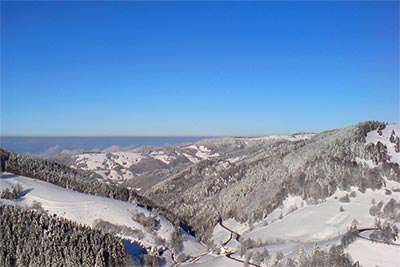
161,156
117,166
126,165
293,137
203,152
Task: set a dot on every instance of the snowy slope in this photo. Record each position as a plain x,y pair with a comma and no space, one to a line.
371,254
322,224
86,209
215,261
220,234
322,221
82,208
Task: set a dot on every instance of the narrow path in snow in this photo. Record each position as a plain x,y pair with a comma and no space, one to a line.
230,230
229,255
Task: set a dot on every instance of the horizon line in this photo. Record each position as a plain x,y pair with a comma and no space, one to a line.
157,136
110,136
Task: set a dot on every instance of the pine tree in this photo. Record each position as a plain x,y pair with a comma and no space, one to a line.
302,258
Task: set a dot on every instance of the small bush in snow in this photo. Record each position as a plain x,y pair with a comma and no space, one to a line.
345,199
388,192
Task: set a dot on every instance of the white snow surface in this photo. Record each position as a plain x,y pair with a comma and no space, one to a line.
321,224
104,163
202,152
323,221
216,261
371,254
161,156
235,225
293,137
191,158
220,234
205,153
126,158
290,204
193,247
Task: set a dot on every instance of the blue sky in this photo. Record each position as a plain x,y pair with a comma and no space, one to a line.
196,68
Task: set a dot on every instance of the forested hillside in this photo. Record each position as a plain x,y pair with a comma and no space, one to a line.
34,238
248,190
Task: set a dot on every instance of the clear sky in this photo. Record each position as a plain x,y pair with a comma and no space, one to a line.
196,68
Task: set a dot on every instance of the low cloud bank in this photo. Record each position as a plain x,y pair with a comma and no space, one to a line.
58,149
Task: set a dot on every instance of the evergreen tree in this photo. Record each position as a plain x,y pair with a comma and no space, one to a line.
30,238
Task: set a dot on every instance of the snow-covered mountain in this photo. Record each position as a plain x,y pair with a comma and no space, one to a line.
137,165
143,167
299,200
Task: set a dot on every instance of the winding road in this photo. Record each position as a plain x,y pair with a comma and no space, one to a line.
229,254
230,230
